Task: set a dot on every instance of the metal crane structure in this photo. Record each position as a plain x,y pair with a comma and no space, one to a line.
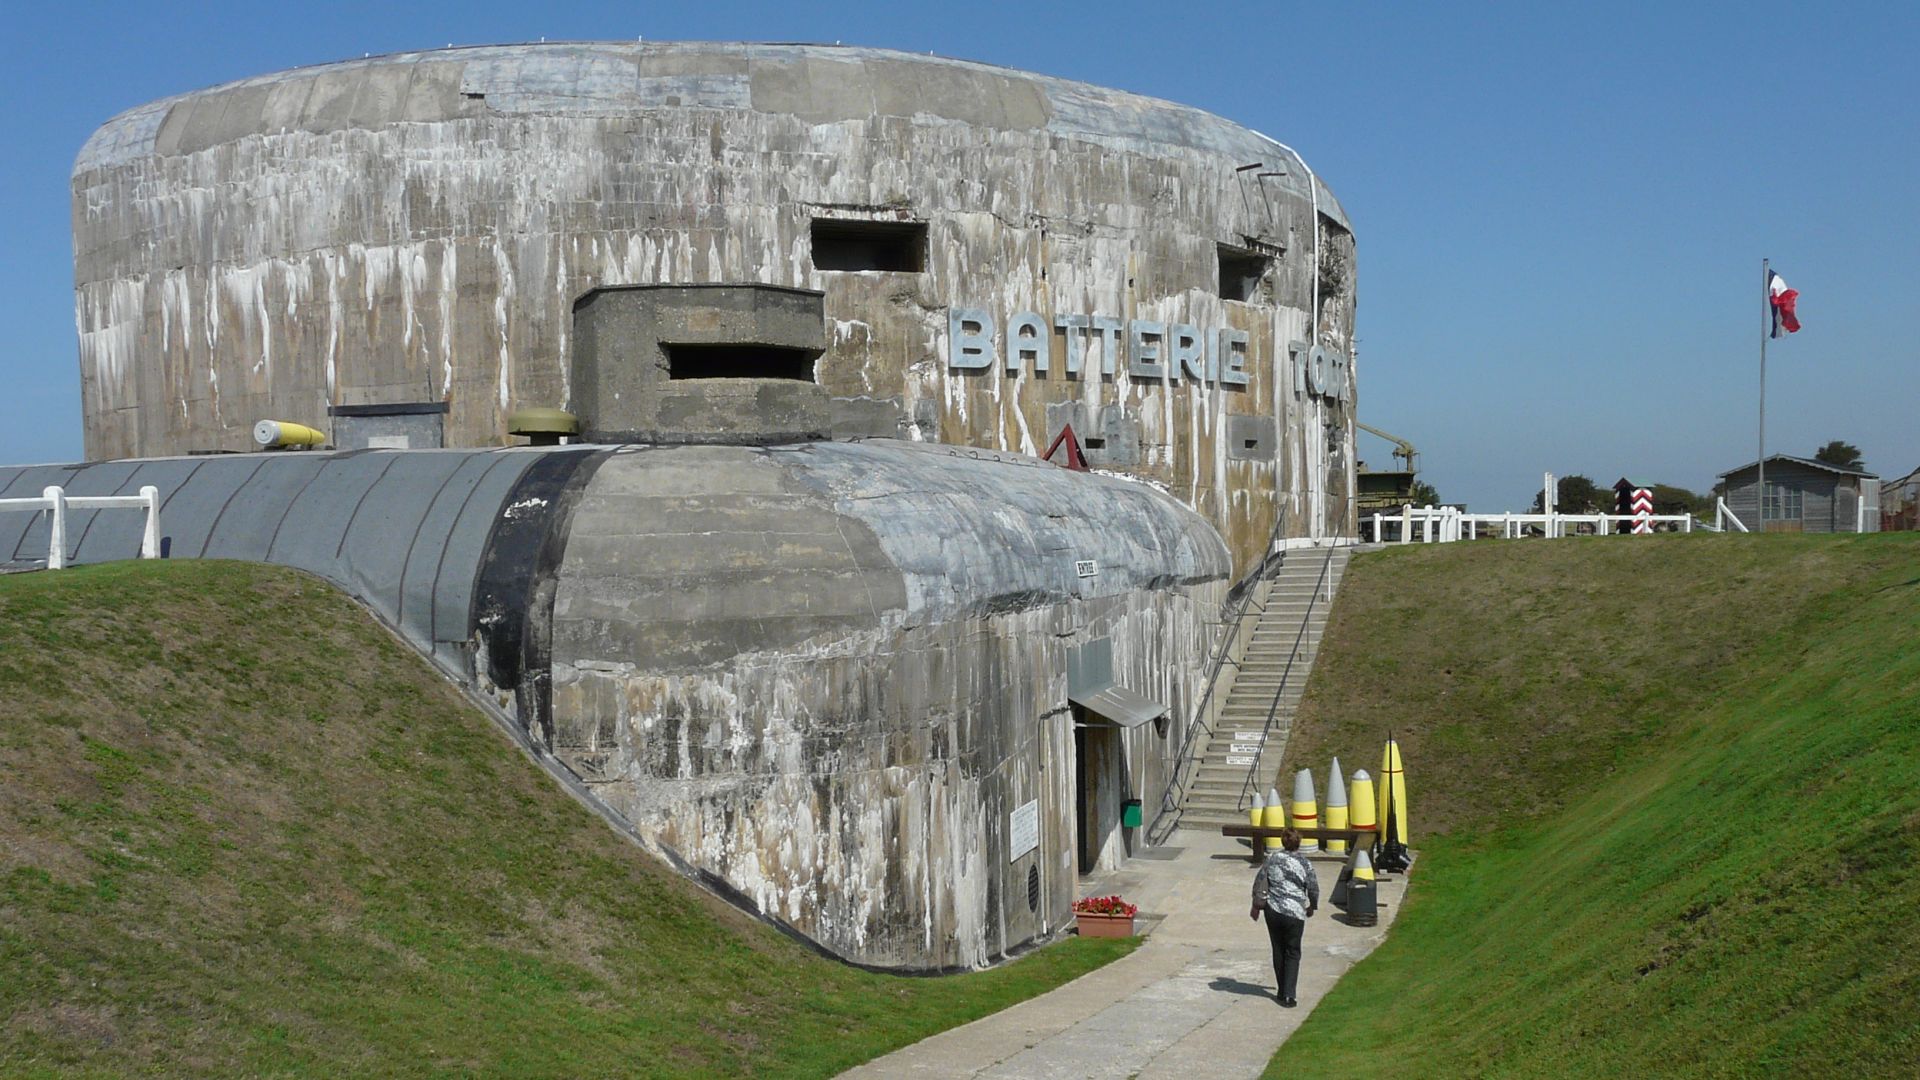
1403,450
1381,490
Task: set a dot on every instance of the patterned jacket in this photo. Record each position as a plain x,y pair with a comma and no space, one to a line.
1286,884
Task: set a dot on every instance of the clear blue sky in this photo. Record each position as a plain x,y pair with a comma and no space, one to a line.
1561,213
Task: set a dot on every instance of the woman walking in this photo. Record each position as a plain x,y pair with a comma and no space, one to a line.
1287,889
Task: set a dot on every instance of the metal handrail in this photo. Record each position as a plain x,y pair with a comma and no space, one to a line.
1187,758
1246,787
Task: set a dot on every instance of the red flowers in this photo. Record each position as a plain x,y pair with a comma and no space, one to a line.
1104,905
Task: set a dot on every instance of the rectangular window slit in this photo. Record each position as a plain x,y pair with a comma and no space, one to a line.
739,362
890,246
1241,273
1096,444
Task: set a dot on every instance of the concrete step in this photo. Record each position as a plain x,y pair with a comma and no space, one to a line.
1217,781
1210,820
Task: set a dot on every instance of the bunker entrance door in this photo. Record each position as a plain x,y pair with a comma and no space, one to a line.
1098,772
1102,710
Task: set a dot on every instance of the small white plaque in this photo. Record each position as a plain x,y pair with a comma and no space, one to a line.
389,442
1023,830
1232,760
1086,567
1245,748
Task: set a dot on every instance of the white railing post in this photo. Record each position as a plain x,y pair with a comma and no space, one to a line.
1406,524
150,540
57,528
1377,538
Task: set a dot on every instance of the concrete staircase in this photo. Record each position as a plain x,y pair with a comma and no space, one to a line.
1220,774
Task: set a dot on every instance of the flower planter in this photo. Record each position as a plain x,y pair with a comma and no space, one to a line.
1091,925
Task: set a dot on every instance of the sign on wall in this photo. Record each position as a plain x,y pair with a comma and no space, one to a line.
1145,349
1023,830
1153,350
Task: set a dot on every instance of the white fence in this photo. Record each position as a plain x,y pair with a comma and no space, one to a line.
56,501
1445,524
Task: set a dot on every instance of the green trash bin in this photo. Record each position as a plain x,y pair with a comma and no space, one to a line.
1130,813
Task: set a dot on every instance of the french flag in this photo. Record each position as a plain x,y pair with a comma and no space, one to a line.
1782,299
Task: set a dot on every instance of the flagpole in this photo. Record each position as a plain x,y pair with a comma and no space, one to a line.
1766,326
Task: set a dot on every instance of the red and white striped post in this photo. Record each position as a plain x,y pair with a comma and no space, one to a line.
1642,510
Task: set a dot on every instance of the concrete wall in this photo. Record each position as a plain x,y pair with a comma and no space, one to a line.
417,228
830,674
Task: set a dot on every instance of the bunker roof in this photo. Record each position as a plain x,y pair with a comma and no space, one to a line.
817,84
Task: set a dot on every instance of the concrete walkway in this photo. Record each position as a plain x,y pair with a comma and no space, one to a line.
1195,1001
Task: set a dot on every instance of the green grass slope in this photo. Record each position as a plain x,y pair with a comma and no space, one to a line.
1680,780
243,831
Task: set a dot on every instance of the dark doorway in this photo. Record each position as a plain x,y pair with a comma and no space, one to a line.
1096,787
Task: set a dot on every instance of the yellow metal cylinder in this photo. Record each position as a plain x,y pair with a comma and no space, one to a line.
287,433
1306,811
1361,800
1336,809
1393,795
1384,789
1274,816
1400,827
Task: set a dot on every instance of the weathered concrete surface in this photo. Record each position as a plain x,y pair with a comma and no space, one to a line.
1195,1002
417,227
828,674
625,388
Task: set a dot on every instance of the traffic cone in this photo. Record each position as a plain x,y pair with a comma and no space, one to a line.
1306,813
1363,898
1274,817
1336,810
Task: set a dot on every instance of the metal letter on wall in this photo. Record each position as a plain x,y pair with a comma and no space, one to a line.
969,349
1189,352
1070,326
1109,329
1231,357
1027,339
1144,340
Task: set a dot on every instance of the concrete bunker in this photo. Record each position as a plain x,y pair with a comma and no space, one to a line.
699,363
891,693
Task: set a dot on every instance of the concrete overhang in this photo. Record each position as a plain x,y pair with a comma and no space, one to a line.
1091,685
1118,705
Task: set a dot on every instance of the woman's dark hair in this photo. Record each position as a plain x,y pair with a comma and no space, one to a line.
1290,839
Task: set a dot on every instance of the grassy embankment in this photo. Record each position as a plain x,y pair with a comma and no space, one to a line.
244,831
1679,783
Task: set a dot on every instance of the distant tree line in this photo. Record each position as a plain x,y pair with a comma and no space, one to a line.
1580,495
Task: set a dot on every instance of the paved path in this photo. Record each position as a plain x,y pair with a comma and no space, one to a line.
1195,1001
